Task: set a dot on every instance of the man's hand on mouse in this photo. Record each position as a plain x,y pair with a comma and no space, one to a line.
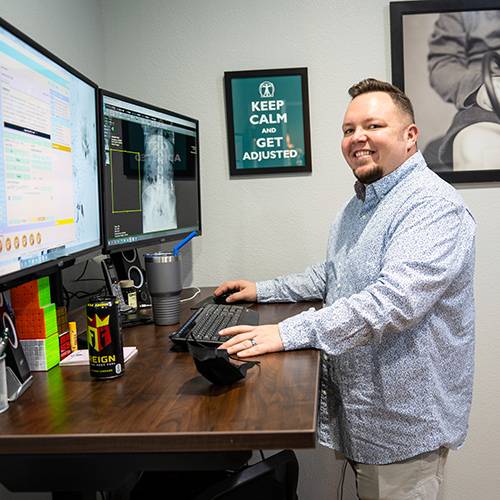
248,341
240,290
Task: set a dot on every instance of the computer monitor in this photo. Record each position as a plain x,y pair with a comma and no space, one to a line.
49,176
150,174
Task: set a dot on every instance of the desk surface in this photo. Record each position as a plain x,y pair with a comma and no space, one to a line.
162,404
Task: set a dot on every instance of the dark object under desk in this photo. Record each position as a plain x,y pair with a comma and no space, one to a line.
71,433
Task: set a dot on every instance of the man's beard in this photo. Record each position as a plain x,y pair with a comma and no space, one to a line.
369,176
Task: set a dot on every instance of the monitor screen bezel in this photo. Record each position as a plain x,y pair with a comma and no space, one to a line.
154,239
45,268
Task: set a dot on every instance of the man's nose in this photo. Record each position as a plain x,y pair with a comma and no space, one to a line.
359,135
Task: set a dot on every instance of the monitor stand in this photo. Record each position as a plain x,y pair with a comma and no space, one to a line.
14,386
139,317
128,267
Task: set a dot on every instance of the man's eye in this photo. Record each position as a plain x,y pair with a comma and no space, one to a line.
374,125
348,131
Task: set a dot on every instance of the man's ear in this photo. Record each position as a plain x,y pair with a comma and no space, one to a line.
412,136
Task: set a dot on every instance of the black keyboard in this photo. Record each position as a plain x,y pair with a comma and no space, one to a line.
206,322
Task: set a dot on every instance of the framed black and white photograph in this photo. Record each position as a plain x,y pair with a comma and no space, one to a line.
267,115
446,58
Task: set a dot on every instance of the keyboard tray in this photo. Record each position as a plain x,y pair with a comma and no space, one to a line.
205,323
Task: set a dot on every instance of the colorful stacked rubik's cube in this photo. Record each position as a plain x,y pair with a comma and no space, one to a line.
36,323
62,328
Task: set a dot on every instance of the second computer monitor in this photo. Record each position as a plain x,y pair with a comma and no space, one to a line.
151,185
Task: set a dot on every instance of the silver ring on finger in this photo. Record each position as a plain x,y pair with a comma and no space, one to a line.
253,342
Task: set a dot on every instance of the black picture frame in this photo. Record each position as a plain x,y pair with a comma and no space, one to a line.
268,128
410,22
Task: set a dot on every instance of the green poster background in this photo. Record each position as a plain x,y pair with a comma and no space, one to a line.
270,132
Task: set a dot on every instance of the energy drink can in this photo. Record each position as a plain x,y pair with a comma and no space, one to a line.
104,338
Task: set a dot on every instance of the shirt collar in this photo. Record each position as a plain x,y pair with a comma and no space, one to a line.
360,190
381,187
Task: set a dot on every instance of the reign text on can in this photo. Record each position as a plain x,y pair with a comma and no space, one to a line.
104,338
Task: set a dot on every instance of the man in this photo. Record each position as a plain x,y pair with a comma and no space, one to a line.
397,328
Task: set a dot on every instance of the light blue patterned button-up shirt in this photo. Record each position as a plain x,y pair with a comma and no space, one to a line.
397,329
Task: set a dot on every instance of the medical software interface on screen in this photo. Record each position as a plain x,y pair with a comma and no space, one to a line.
48,159
150,173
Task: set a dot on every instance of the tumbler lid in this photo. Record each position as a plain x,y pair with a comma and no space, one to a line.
161,257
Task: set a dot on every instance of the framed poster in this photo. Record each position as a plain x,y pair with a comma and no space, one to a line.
445,56
267,115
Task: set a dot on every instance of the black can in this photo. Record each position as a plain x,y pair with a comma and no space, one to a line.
104,338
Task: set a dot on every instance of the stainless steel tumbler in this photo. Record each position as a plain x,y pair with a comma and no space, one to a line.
163,273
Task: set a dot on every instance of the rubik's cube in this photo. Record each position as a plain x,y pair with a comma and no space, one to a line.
36,323
31,295
42,354
63,330
64,344
35,315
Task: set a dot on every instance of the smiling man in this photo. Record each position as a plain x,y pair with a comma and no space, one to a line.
397,327
379,133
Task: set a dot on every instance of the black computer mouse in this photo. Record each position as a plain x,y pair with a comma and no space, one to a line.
221,299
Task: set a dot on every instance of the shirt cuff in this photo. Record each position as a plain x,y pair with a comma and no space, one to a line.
297,332
265,290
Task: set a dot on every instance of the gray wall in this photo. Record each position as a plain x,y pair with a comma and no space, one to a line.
71,29
173,54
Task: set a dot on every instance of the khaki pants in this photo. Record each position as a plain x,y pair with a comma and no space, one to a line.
418,478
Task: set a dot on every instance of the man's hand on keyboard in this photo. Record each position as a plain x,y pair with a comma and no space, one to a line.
248,341
240,290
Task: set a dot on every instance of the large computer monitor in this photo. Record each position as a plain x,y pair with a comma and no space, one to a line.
49,176
150,175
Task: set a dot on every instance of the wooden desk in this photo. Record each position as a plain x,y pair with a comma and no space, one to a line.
161,407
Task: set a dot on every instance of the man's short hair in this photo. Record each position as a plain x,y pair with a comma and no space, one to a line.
399,98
